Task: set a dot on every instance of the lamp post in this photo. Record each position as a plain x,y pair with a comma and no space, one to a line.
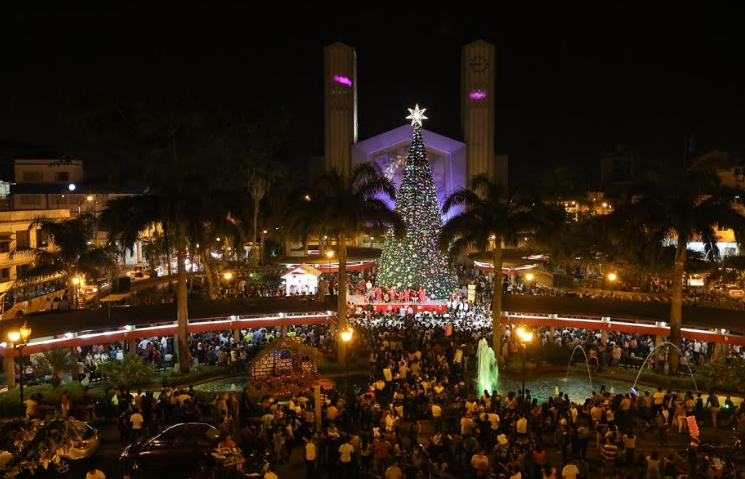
329,255
19,339
263,242
525,338
529,279
612,277
346,336
228,277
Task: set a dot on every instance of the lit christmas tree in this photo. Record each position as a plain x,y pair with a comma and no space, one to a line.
415,261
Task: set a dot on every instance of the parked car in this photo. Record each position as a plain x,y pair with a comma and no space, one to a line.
734,291
186,446
140,272
86,445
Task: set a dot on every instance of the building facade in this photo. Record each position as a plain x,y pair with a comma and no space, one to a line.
17,239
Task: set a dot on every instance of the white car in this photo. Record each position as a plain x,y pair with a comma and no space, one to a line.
86,445
734,291
138,272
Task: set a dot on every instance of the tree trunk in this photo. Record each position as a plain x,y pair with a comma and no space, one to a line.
676,302
182,310
496,302
342,298
97,297
167,245
255,223
209,272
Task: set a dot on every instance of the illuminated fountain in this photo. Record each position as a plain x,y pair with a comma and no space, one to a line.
682,357
487,367
587,363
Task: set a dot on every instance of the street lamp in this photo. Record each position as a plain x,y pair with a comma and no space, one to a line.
525,337
529,279
227,275
76,288
329,255
346,336
19,340
263,242
612,277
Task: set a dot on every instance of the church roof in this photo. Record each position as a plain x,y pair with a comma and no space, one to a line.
402,135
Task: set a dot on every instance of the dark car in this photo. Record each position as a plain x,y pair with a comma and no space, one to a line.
185,446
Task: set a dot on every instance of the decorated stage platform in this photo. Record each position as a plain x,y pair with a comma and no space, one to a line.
439,306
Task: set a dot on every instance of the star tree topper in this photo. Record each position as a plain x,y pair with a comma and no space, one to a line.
417,115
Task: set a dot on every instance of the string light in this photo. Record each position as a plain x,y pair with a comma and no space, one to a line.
415,260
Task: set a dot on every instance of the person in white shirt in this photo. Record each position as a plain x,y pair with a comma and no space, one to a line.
522,426
437,417
311,453
345,457
466,425
658,397
494,420
136,420
570,471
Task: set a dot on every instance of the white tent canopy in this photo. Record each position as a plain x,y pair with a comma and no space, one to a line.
301,280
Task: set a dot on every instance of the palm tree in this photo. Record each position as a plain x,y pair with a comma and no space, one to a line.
260,177
99,264
349,206
685,202
212,226
126,218
488,220
304,216
71,252
187,162
155,249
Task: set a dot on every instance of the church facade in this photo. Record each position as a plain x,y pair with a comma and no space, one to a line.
453,162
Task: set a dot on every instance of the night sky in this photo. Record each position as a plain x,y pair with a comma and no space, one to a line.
570,84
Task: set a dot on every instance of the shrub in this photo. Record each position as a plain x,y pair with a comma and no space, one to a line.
728,375
10,401
130,371
51,363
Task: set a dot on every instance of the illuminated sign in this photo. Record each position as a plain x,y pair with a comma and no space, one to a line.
477,94
342,80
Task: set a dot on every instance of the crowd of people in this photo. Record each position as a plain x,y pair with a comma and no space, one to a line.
416,412
420,380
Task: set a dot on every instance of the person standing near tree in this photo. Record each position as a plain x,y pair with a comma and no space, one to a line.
64,404
713,402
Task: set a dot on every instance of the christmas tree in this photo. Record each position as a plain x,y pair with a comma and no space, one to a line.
415,261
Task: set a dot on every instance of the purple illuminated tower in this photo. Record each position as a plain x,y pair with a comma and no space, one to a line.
340,105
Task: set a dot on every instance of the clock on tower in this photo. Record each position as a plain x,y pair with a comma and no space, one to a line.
479,64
